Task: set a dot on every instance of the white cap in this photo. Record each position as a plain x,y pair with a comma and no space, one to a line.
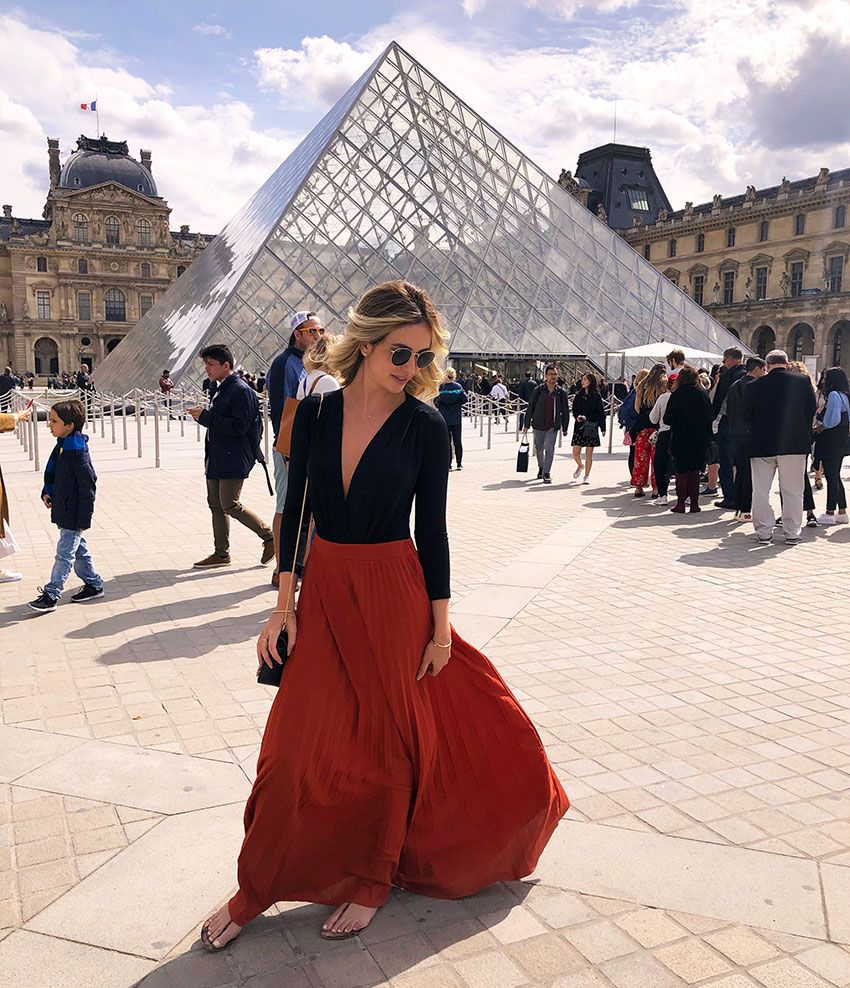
298,318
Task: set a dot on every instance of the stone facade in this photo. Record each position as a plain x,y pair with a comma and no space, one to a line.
74,283
771,264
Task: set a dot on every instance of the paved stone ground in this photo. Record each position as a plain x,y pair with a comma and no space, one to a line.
691,689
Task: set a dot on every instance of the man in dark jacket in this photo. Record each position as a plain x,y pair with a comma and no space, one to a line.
8,383
230,451
740,432
526,389
733,371
69,491
779,410
450,402
548,410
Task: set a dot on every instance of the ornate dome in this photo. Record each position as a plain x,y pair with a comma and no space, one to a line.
99,160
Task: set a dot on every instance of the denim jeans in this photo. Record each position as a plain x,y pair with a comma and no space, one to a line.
72,552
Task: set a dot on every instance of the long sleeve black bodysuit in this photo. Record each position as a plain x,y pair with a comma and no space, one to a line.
407,458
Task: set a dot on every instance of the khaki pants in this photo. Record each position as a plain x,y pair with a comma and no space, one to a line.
792,473
224,503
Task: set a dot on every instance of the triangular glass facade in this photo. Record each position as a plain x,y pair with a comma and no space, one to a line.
402,180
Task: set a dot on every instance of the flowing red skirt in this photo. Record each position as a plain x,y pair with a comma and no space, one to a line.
367,778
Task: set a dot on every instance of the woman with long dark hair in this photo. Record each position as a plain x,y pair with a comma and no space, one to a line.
833,428
589,418
394,754
689,417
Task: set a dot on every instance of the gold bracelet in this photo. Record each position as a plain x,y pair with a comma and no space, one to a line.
282,610
439,645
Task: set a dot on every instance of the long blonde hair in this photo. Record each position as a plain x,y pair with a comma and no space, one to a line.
316,356
381,310
651,387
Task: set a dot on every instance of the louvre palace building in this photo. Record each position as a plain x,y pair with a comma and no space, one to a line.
74,282
770,264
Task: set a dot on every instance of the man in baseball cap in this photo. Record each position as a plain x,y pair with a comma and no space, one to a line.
285,374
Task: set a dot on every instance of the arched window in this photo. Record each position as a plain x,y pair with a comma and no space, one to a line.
764,229
113,230
81,228
115,305
143,233
145,269
46,353
765,341
111,344
801,341
840,216
700,243
82,266
180,269
41,264
840,349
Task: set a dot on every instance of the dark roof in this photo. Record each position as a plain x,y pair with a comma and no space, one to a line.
28,227
615,174
801,185
98,160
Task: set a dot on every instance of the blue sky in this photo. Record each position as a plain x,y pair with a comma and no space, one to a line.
724,95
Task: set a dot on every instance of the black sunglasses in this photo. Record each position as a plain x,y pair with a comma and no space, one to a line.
401,354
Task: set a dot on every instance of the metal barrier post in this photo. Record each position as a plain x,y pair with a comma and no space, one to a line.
267,419
137,397
34,420
182,414
112,417
489,424
124,420
156,430
102,419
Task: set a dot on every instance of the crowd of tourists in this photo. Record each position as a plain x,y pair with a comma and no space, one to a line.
736,427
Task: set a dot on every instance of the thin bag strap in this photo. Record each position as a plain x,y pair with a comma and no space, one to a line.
313,385
303,508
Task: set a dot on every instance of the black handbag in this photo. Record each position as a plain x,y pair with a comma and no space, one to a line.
522,457
273,674
590,430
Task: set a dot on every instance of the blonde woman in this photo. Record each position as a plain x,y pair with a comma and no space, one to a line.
394,754
646,394
319,380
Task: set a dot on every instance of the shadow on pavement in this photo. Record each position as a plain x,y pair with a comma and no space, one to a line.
284,949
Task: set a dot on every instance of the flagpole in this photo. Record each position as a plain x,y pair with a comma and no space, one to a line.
97,113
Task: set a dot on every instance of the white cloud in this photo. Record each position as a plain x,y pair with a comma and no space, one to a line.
315,74
563,9
208,159
216,30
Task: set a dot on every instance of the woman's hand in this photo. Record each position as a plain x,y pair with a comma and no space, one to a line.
267,642
433,660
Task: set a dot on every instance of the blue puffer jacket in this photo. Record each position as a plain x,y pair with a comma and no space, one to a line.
231,422
450,402
71,482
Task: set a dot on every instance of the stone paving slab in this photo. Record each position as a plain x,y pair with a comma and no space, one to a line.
836,891
29,960
149,780
770,891
145,900
23,751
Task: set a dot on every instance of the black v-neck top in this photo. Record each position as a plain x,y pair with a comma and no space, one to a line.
407,459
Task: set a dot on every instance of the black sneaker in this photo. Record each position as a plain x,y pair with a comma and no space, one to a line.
540,475
87,592
708,492
44,603
547,479
458,467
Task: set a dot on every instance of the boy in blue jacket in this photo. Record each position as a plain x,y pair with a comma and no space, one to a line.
69,491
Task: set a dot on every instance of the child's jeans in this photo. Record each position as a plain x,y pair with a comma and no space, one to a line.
71,553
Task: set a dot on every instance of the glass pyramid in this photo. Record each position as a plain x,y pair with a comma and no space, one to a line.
402,180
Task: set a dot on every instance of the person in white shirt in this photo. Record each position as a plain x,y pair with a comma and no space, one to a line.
662,445
499,395
319,380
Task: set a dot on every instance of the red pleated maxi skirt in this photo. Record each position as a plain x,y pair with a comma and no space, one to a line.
367,778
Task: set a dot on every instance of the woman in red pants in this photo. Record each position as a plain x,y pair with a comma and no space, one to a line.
394,753
646,394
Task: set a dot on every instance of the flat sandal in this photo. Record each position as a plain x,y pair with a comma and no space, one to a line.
209,945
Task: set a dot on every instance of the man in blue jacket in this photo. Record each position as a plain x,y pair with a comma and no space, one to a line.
230,450
285,374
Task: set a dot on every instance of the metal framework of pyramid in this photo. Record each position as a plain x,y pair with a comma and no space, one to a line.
401,179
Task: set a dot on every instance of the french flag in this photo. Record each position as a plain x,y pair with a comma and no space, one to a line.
89,106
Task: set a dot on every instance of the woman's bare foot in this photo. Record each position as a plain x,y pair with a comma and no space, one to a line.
219,929
348,920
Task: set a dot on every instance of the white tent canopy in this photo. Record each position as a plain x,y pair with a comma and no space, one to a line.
661,349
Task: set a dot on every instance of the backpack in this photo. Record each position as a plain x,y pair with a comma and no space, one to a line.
627,416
